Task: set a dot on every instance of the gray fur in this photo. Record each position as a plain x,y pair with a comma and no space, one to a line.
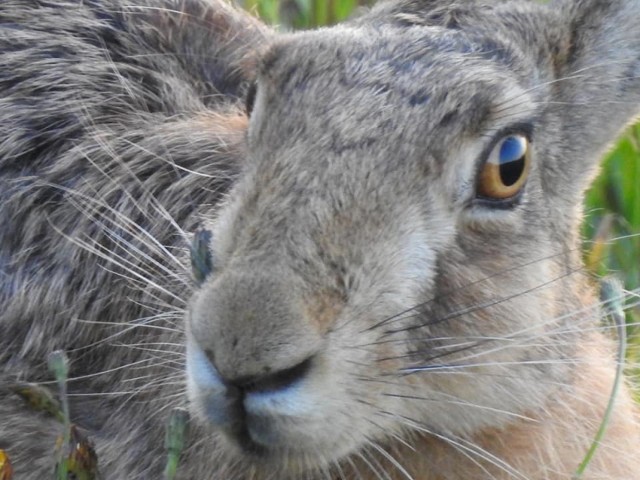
349,200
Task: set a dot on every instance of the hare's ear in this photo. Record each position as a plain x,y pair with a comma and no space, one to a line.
597,85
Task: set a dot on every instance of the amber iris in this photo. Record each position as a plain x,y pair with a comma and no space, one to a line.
506,169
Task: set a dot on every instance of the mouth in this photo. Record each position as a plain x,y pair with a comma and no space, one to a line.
227,411
255,435
243,440
259,420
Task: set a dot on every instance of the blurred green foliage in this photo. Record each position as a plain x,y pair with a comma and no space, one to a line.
612,227
613,209
288,14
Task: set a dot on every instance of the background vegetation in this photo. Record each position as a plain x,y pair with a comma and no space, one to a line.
612,225
612,228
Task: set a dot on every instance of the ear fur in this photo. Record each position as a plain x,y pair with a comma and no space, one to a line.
444,13
597,85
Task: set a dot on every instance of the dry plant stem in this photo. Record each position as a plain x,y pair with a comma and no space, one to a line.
6,471
39,398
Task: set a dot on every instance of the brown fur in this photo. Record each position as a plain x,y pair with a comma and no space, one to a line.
364,314
548,445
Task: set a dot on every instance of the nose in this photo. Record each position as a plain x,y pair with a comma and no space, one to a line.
255,333
269,382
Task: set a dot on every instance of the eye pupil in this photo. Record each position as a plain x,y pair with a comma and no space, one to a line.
512,161
511,172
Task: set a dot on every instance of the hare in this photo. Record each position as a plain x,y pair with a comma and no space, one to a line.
387,281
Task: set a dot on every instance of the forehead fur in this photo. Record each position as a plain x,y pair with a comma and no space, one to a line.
437,82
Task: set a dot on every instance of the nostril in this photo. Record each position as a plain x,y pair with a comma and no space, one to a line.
209,354
273,381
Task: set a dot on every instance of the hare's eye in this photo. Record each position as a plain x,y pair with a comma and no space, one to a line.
250,98
505,170
201,259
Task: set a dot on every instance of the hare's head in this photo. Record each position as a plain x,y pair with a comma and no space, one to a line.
400,254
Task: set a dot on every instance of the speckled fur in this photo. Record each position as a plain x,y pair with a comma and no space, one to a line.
348,199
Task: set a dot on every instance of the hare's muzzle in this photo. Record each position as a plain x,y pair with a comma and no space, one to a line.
251,363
